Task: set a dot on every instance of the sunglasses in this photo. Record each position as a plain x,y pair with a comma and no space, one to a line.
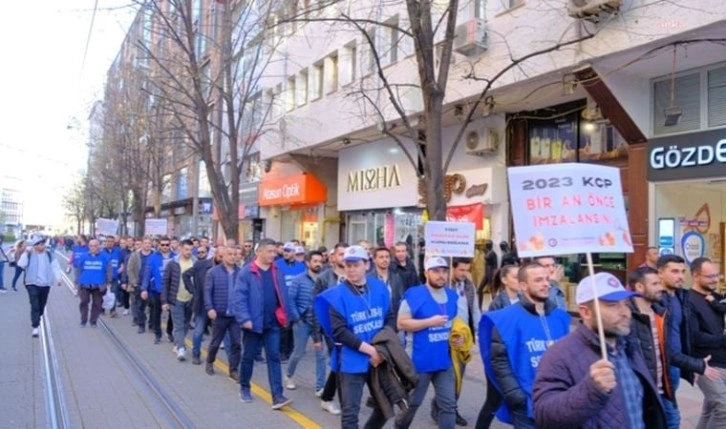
164,244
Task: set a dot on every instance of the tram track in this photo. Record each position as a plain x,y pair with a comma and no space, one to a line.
56,405
174,414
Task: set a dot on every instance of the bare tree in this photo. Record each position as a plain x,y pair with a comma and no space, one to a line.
74,202
206,60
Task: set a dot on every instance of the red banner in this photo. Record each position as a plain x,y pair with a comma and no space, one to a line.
472,213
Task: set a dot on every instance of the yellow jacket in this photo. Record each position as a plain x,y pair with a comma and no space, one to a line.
460,355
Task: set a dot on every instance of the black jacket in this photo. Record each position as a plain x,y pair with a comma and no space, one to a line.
397,288
707,324
507,380
170,281
642,337
395,378
325,280
194,279
408,274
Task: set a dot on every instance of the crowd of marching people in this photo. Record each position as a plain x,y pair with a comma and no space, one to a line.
376,324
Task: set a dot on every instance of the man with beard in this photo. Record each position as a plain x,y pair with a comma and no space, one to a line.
650,327
672,272
195,277
514,339
301,308
706,310
381,270
576,387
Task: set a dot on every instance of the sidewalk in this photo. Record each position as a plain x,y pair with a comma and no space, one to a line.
22,378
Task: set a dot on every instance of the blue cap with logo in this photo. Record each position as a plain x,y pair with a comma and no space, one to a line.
355,254
607,288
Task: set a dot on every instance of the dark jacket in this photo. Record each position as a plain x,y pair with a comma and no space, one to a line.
504,373
301,298
500,301
217,291
249,299
408,274
170,282
194,279
396,285
396,377
707,324
643,338
565,396
325,280
685,328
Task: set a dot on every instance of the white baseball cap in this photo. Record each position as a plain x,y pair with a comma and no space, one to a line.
607,288
289,246
299,250
435,262
355,254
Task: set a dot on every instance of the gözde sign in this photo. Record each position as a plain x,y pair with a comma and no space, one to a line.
568,208
691,156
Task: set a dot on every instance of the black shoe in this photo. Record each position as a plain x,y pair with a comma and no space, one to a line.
93,325
209,369
170,338
234,376
141,330
196,360
134,324
83,324
157,340
460,421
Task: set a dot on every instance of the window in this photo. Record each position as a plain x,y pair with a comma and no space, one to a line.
717,97
290,101
331,73
181,184
205,188
302,88
278,105
686,95
166,189
316,81
349,63
371,40
480,8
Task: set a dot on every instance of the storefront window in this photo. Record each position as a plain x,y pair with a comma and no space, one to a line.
301,224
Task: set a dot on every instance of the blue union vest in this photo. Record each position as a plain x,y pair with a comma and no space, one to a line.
524,336
93,270
365,315
78,253
431,345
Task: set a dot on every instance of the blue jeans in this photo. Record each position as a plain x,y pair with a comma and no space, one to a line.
200,323
445,388
351,394
181,314
673,416
2,275
302,332
270,338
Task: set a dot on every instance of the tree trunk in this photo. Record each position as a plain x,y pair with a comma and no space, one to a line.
434,179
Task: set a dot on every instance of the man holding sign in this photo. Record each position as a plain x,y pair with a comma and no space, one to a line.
575,387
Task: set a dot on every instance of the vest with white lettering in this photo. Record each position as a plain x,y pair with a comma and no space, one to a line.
365,315
526,340
78,253
290,270
431,345
114,257
93,270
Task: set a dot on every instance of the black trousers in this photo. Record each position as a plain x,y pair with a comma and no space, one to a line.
139,309
38,296
287,343
491,405
220,326
155,313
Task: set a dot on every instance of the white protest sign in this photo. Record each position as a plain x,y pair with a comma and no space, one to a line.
455,239
568,208
106,227
155,226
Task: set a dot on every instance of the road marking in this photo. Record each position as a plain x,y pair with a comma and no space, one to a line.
294,415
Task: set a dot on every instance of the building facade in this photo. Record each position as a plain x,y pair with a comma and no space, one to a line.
11,207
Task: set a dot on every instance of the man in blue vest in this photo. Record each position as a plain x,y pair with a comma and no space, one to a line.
95,274
351,314
427,311
290,267
151,287
512,341
113,254
80,248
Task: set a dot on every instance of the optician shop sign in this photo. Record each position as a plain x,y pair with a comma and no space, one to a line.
689,156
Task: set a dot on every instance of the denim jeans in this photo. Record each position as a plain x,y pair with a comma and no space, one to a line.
200,323
445,388
18,272
270,338
673,416
302,332
2,274
38,296
351,393
181,313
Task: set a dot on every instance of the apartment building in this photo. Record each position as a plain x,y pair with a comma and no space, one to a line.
11,206
624,73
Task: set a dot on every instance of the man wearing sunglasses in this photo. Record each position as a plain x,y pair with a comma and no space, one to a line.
151,287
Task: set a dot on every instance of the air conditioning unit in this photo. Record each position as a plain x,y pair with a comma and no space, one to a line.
481,141
591,9
471,37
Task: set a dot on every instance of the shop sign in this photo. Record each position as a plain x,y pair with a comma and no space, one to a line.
693,246
691,156
180,210
568,208
373,179
299,189
455,239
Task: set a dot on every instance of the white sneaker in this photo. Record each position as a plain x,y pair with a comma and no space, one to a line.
3,291
330,407
290,383
36,332
175,350
319,392
181,354
126,312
